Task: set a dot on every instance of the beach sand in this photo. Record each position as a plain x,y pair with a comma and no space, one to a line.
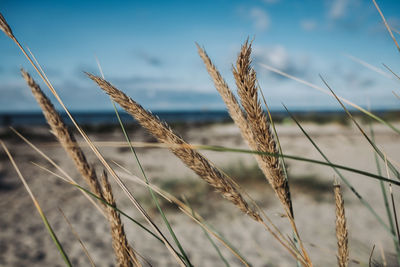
25,242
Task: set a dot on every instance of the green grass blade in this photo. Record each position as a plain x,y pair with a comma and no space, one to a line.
366,112
153,196
75,233
338,166
378,151
39,209
385,198
106,203
208,236
53,235
295,237
123,213
117,209
348,184
275,134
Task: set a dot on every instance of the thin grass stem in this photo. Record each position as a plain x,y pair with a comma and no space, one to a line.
38,207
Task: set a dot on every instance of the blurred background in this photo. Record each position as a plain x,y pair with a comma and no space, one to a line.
147,49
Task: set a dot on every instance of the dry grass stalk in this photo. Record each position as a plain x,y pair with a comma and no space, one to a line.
68,142
123,251
75,233
194,160
229,98
341,229
5,27
64,136
245,77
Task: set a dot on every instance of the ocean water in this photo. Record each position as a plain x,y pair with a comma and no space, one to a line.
97,118
109,117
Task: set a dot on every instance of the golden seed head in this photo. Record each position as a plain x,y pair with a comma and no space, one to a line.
5,27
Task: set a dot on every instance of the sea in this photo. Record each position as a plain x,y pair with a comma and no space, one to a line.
202,116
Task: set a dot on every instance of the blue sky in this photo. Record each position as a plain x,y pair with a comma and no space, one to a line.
147,49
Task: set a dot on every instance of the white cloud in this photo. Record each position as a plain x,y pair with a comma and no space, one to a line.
260,18
308,24
338,9
278,57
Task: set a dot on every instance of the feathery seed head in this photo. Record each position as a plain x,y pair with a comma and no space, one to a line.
341,228
192,159
5,27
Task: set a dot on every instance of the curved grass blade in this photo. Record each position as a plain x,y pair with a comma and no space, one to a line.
366,112
386,25
397,76
246,151
105,202
172,199
209,237
385,199
168,197
393,204
78,238
153,196
98,198
369,66
348,184
162,193
378,151
39,209
295,237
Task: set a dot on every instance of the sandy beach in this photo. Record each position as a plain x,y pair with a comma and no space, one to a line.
25,242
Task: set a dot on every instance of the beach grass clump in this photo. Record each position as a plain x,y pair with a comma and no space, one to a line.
123,251
193,159
258,131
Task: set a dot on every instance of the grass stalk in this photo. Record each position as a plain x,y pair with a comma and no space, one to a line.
195,161
298,158
68,142
393,203
209,237
172,199
75,233
386,25
245,78
341,228
153,196
38,208
316,87
91,145
385,198
159,191
335,168
378,151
